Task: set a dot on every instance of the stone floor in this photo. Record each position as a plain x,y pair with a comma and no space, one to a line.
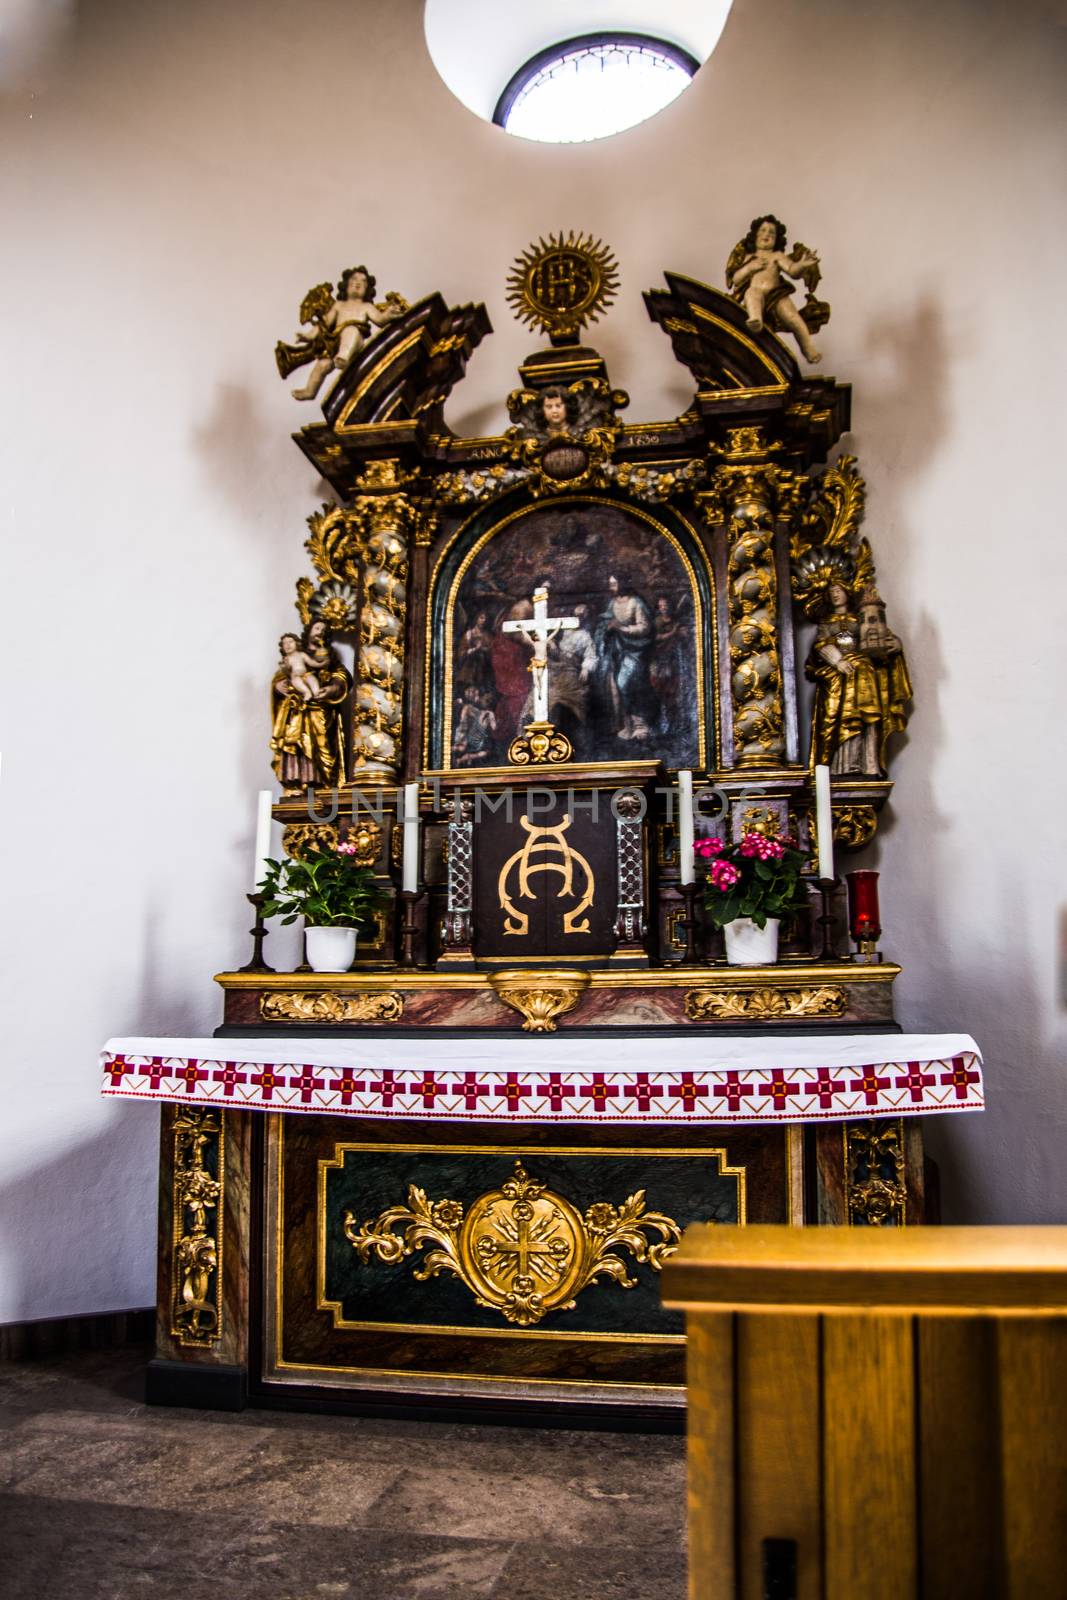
102,1498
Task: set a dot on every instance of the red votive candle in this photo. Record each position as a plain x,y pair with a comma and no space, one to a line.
863,919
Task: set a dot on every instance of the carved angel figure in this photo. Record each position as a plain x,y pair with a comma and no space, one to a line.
862,685
307,741
340,327
756,276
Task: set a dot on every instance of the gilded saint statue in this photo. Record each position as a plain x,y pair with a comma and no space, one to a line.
308,690
862,687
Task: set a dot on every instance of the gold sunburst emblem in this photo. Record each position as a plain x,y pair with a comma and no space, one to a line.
563,283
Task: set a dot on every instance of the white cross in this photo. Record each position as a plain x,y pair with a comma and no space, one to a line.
538,631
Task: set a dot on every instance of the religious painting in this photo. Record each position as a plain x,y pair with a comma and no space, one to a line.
623,670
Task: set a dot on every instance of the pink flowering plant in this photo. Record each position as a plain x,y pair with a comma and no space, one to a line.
322,885
757,877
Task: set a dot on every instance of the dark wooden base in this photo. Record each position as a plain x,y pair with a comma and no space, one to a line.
306,1322
197,1384
55,1336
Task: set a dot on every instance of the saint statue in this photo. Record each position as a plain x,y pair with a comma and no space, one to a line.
307,692
862,687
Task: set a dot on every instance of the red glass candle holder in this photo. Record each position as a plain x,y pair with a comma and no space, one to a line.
864,921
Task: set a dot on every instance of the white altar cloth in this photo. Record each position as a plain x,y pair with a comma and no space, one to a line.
810,1078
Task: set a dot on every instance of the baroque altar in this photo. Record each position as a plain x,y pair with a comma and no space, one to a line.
451,1174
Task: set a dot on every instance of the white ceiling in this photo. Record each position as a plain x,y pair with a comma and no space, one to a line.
476,45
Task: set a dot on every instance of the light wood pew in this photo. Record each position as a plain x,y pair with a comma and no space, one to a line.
875,1414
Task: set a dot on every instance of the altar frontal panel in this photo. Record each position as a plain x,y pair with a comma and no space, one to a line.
531,1256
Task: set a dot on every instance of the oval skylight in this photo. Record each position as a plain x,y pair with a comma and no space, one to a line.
592,87
563,71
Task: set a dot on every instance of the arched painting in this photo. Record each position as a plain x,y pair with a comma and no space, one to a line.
621,674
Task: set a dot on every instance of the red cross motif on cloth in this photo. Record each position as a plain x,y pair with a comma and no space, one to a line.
870,1084
513,1091
915,1080
118,1068
429,1088
347,1084
155,1071
556,1090
307,1083
598,1091
190,1074
229,1076
779,1089
959,1077
470,1089
642,1091
689,1091
267,1081
825,1086
731,1089
387,1087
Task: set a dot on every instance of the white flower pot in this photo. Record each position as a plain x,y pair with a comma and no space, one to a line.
749,946
330,949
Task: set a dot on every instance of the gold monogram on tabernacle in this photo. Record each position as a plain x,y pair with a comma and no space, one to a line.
553,853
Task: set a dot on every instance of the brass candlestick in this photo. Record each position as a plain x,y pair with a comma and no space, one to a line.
259,933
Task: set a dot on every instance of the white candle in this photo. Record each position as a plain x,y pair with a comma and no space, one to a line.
411,838
686,863
263,822
824,822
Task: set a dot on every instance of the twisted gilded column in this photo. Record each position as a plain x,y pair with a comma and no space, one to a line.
743,496
361,555
386,521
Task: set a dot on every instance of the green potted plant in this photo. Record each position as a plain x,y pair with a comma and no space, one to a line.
334,897
749,887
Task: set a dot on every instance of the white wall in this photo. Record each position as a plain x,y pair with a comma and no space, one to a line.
174,181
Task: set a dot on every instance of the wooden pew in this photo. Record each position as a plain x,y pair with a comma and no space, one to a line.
875,1414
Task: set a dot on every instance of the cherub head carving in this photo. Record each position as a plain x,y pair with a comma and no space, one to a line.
369,284
765,233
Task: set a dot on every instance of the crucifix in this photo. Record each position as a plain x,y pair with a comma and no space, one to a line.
538,631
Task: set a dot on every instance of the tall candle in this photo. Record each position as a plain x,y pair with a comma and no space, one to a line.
410,878
686,864
263,821
824,822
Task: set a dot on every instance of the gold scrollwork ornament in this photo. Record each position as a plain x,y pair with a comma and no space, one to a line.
366,836
299,837
538,744
854,826
522,1249
285,1005
875,1185
197,1290
761,1005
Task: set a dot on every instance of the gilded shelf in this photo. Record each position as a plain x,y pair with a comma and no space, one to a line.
784,975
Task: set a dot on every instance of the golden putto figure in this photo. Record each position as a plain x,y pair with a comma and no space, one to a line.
862,685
